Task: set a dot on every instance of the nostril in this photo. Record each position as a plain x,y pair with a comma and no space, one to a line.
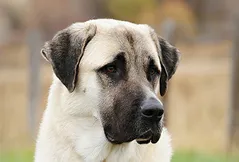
153,112
152,109
160,113
148,112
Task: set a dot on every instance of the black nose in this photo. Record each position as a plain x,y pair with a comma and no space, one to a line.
152,109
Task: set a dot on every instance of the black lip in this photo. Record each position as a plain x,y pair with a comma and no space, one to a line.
143,142
111,139
149,136
146,135
115,141
155,138
144,138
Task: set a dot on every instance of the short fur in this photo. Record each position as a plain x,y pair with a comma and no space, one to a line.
85,104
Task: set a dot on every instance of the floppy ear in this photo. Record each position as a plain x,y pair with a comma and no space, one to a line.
169,58
65,51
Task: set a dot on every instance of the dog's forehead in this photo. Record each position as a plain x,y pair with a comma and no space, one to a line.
113,37
106,24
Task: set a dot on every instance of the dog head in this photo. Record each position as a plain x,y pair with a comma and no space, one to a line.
113,70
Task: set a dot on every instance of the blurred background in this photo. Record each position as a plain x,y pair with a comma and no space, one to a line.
202,103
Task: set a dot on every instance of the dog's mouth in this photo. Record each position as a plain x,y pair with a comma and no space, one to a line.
144,138
148,137
113,140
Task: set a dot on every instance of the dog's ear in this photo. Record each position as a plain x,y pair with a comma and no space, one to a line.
169,58
65,51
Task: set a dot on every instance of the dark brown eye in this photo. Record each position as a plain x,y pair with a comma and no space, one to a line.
110,69
114,70
153,72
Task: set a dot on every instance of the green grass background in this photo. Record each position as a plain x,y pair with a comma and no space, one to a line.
179,156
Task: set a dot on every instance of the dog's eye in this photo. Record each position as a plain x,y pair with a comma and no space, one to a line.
110,69
152,73
114,70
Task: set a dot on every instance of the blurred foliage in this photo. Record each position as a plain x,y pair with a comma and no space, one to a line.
182,14
179,156
129,9
154,13
17,156
190,156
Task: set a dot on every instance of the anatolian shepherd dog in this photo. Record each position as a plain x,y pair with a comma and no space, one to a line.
102,104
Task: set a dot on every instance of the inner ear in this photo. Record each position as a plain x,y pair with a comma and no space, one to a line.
45,51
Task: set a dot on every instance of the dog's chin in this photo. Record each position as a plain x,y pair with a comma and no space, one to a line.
144,138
